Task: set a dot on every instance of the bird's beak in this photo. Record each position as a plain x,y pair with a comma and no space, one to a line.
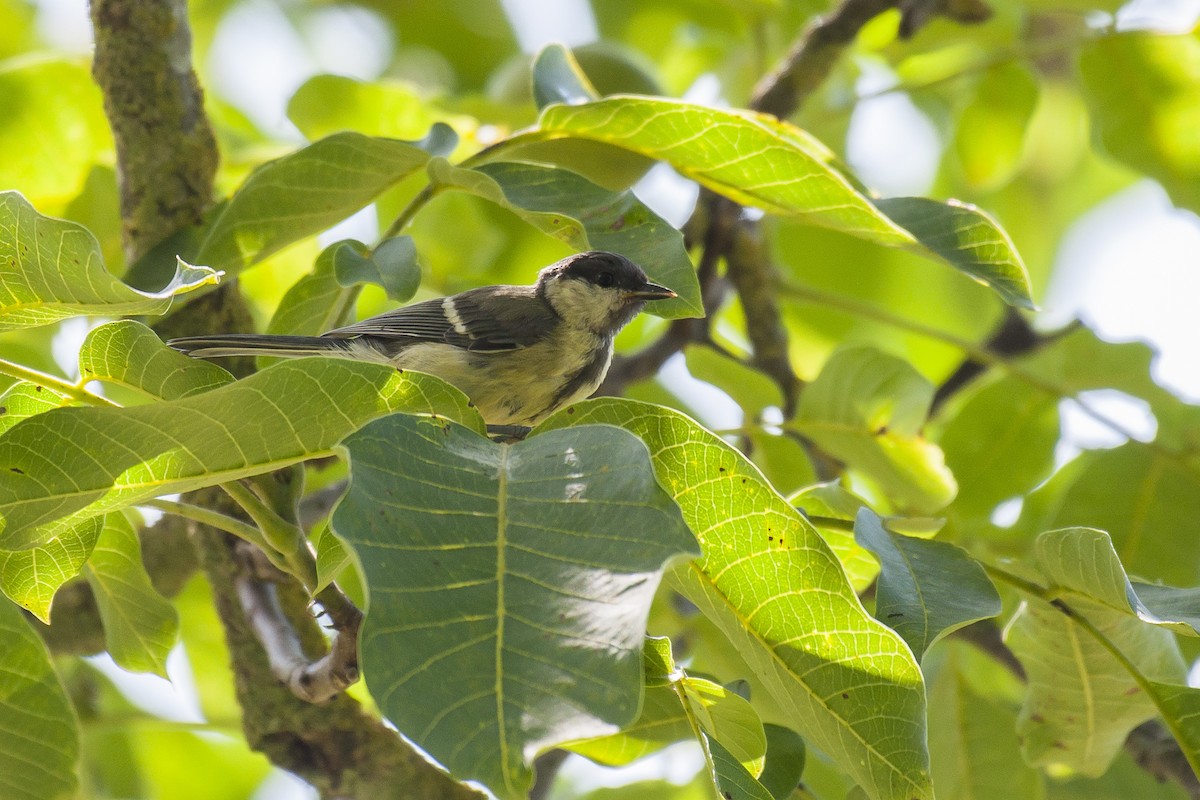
652,291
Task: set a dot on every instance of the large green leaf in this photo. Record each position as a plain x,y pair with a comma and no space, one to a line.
39,743
1143,91
926,589
307,191
758,160
140,627
570,207
1083,561
751,158
51,269
729,719
71,463
837,502
509,586
129,354
867,408
769,581
1082,700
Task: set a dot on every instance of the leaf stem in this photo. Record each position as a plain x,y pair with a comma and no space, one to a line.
279,536
207,516
75,391
406,215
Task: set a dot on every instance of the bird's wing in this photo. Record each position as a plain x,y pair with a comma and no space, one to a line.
469,320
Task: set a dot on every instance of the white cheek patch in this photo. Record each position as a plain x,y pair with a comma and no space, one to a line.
452,315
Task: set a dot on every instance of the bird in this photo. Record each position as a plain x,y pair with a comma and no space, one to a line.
519,353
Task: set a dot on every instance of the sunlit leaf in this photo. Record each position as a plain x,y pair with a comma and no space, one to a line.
30,577
734,781
54,130
835,501
729,719
867,408
140,627
309,190
24,399
50,476
509,586
51,269
1143,91
770,583
1082,701
760,161
40,743
926,589
129,354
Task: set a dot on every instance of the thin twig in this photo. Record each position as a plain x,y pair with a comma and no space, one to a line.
57,385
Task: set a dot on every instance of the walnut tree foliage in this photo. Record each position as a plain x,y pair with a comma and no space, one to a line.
820,596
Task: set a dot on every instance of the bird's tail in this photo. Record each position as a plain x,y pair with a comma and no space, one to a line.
258,344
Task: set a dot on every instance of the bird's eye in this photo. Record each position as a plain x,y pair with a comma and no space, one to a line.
605,280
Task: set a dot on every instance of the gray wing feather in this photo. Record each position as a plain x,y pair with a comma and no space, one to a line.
491,319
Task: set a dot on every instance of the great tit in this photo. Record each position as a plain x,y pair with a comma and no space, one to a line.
519,352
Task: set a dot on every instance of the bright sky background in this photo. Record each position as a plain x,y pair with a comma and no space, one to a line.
1133,239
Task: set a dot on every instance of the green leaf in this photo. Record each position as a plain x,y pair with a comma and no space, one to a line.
999,443
867,408
55,129
1142,496
785,761
332,556
392,265
39,742
926,589
129,354
967,239
1143,92
1082,701
770,583
557,78
140,627
571,208
989,139
317,302
50,476
51,269
834,500
1180,709
24,399
757,160
972,741
661,722
307,191
734,781
729,719
509,586
30,577
328,104
1083,561
750,158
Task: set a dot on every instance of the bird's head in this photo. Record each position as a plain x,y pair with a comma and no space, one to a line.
598,290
